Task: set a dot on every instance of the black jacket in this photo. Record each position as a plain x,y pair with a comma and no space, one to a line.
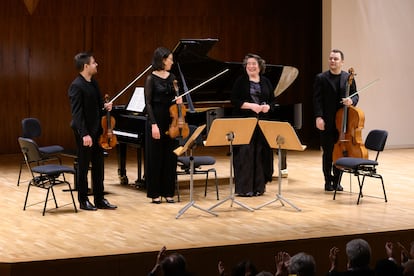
86,106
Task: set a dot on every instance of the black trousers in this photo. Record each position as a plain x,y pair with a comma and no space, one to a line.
89,156
330,172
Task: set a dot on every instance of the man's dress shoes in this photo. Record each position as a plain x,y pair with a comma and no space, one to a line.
87,205
104,204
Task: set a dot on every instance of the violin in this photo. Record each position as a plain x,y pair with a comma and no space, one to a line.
107,140
178,126
349,122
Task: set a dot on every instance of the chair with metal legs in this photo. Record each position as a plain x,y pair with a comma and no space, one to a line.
375,141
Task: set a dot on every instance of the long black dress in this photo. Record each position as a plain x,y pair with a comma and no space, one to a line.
253,163
160,160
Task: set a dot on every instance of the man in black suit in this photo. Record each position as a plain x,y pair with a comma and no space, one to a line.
330,88
88,107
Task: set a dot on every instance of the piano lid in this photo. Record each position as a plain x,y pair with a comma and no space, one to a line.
191,58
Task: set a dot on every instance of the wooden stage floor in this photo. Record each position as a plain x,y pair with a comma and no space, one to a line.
138,226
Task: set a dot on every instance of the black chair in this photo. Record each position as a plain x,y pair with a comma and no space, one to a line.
183,163
375,141
32,129
43,176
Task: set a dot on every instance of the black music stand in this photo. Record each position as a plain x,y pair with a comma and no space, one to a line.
231,131
190,144
280,135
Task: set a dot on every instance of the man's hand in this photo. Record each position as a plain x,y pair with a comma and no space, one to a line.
87,141
347,101
320,123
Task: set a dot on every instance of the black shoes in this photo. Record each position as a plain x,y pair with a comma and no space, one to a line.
169,200
339,188
249,194
104,204
86,205
156,200
100,204
329,187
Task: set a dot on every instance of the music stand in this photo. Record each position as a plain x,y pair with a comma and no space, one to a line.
231,131
190,144
280,135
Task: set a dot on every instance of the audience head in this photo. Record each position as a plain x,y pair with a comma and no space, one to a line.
385,267
264,273
302,264
358,252
244,268
174,265
409,268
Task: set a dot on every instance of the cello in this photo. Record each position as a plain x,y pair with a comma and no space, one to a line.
349,122
107,140
178,126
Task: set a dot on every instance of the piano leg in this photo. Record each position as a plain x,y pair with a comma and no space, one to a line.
121,149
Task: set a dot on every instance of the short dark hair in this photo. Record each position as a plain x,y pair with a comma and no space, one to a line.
244,266
260,61
174,264
338,51
157,60
81,59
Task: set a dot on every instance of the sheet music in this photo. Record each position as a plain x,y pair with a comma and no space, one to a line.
137,101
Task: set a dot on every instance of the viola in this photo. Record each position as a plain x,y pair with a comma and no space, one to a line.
178,126
107,140
349,122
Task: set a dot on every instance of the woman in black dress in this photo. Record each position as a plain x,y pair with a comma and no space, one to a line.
252,96
160,160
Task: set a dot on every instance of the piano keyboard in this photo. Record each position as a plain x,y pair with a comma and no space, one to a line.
125,134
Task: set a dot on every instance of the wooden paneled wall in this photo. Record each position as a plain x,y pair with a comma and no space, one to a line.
36,50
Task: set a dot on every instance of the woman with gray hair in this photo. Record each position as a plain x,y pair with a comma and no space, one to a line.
300,264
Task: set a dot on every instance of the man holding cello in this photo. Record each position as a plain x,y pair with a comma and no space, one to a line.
331,90
88,107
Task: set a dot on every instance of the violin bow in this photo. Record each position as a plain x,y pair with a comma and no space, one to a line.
129,85
201,84
363,88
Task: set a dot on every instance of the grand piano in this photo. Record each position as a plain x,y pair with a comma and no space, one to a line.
192,67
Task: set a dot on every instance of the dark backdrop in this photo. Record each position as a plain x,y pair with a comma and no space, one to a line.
37,49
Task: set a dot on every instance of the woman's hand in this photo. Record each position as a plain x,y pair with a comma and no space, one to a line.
265,108
108,106
155,131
